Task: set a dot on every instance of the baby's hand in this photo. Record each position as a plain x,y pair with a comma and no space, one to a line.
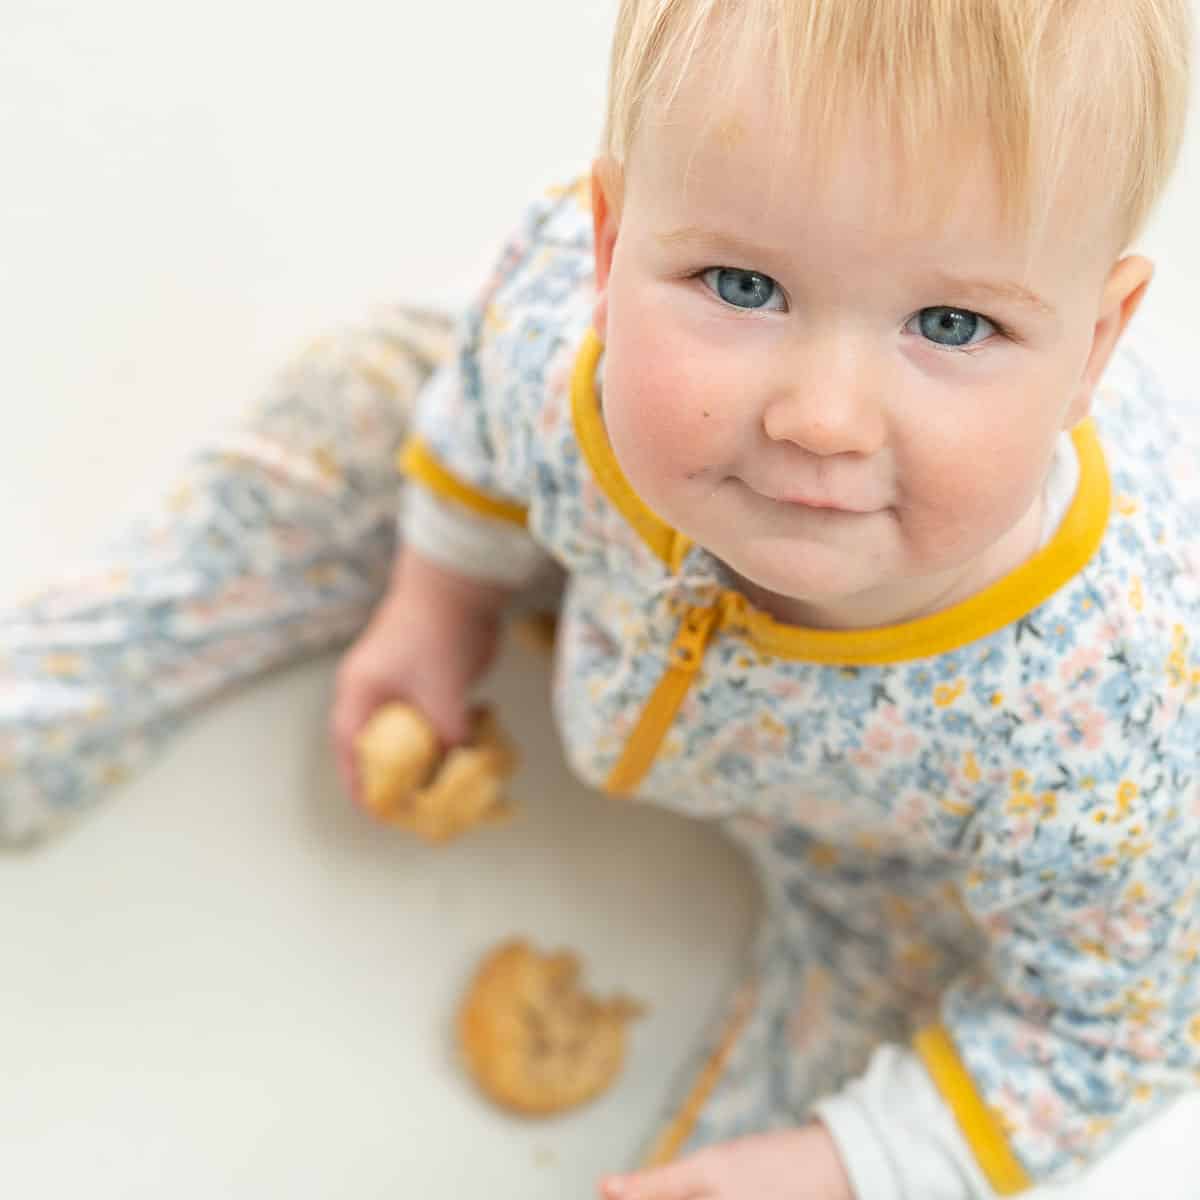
428,643
794,1164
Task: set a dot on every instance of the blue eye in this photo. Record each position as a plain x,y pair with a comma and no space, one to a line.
953,327
743,289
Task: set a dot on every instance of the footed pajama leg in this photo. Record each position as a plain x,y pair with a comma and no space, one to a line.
854,950
274,542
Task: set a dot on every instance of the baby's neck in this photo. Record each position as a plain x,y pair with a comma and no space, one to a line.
909,599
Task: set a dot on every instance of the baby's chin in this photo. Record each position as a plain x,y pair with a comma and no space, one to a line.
810,586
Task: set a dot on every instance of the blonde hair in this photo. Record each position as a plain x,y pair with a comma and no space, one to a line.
1043,78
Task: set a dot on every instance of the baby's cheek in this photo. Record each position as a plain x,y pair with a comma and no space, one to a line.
959,504
663,421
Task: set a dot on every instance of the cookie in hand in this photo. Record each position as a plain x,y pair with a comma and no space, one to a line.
407,782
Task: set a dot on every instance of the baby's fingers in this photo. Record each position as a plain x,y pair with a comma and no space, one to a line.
352,708
676,1182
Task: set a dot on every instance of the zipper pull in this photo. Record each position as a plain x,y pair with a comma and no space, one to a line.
687,650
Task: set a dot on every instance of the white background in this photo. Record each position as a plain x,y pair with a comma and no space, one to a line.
224,983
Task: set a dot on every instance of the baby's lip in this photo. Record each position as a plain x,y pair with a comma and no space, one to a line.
812,500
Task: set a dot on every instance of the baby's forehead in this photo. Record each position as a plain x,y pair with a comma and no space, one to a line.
747,162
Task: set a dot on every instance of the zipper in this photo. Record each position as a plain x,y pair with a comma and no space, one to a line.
683,661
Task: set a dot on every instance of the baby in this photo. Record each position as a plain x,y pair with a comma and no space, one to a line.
862,561
875,554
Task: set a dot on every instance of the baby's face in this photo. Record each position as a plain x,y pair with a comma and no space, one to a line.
855,412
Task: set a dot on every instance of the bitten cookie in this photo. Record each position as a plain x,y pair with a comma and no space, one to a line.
532,1039
406,781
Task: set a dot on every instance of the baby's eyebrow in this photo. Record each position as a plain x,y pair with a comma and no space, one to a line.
1002,292
694,235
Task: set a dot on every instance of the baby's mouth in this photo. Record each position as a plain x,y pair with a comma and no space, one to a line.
799,498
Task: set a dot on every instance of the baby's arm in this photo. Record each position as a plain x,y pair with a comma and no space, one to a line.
464,547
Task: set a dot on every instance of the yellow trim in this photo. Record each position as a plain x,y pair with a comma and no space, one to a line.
979,1124
670,546
679,1128
1016,595
684,659
417,462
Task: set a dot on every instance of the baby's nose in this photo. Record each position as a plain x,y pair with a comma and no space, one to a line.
825,425
828,412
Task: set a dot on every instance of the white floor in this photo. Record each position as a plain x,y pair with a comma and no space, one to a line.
225,983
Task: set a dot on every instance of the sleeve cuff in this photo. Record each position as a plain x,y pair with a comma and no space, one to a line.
417,462
863,1154
479,547
897,1138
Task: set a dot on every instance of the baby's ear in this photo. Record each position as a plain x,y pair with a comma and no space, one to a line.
1123,291
607,181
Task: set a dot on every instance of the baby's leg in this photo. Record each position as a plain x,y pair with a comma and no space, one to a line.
274,542
853,952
